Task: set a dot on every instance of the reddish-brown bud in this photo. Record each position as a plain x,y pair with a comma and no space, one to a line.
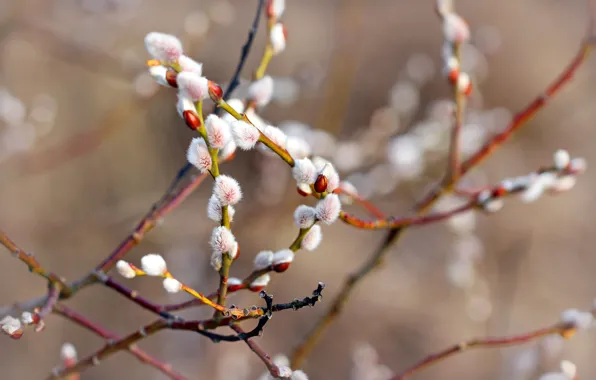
281,267
17,334
321,184
499,192
453,74
235,288
192,120
171,76
215,91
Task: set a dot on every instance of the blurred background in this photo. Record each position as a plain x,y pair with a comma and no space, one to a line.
88,142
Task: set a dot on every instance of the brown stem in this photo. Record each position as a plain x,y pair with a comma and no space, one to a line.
81,320
563,329
392,236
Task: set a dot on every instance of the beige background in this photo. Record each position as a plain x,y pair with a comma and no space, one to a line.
71,199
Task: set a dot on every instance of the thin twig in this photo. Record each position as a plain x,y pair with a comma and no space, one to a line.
376,259
563,329
144,357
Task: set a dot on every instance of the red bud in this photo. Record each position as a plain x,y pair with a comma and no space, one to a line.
302,192
281,267
215,91
192,120
256,288
171,78
321,184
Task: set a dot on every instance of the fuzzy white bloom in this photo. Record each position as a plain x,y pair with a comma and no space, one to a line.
304,188
263,260
125,270
299,375
228,150
171,285
261,280
304,171
298,147
564,183
216,260
68,352
444,7
222,240
277,37
493,205
227,190
27,318
10,325
218,131
158,73
234,281
190,65
539,184
304,216
582,320
184,103
332,176
578,165
312,239
285,372
276,135
328,208
455,28
283,256
245,135
275,8
214,210
554,376
507,184
261,91
561,159
568,368
153,264
464,83
193,85
163,47
198,155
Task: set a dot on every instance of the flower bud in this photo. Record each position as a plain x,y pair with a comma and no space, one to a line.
192,120
321,184
282,260
215,91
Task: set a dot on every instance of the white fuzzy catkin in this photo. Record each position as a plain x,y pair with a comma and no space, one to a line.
455,28
68,352
263,260
190,65
328,208
158,73
218,131
163,47
171,285
183,104
222,240
561,159
198,155
193,85
283,256
261,91
304,171
277,37
214,210
227,190
124,269
245,135
312,239
304,216
153,264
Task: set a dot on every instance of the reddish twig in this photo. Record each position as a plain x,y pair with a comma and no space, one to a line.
30,261
564,329
393,223
265,358
81,320
393,235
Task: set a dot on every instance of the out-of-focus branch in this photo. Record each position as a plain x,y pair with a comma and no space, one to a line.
376,259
